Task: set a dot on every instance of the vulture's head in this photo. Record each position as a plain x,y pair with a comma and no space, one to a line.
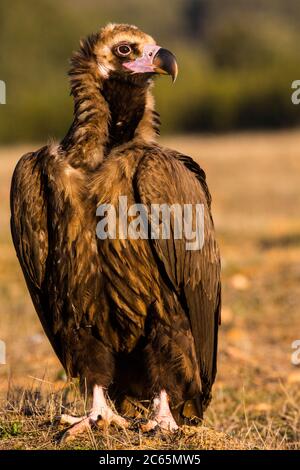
124,52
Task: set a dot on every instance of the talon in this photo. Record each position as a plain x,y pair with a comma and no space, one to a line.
101,416
68,419
113,419
168,424
77,428
162,415
149,426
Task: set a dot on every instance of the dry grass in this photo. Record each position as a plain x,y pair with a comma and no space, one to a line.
29,421
255,182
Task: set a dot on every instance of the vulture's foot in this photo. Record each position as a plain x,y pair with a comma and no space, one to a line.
101,416
162,415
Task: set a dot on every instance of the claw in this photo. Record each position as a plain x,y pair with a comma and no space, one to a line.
78,428
114,418
149,426
101,416
67,419
162,415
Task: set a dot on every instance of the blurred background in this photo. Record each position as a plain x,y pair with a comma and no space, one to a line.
237,60
231,110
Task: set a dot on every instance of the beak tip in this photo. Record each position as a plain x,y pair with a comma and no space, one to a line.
165,62
174,75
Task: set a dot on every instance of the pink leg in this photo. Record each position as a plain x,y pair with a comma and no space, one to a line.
101,415
162,415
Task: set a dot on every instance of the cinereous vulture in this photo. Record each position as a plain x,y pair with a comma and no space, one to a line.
134,318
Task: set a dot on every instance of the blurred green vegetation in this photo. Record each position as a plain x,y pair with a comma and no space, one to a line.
237,60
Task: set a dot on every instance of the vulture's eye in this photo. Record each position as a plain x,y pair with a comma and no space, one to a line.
123,50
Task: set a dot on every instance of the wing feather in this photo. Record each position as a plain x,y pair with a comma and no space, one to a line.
165,176
29,231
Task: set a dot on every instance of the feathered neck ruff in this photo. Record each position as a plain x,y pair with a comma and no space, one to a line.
108,112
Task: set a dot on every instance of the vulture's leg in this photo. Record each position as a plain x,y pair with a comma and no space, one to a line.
101,415
162,415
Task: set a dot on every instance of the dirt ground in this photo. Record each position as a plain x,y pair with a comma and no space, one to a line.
255,183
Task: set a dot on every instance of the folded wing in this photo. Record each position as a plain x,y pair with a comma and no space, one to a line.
167,177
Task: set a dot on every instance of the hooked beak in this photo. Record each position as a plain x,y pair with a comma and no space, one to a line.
165,63
155,59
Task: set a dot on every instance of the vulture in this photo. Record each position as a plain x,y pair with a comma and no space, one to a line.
134,318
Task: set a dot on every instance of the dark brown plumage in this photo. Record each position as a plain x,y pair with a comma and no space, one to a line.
132,316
